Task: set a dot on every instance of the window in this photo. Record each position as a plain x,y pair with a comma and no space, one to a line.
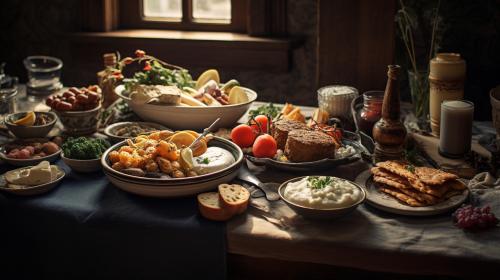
203,15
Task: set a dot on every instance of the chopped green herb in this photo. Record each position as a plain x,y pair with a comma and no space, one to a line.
411,168
204,160
319,182
266,110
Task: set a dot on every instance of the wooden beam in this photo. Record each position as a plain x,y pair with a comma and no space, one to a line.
355,42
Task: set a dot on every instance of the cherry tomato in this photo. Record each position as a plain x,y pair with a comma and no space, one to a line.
262,121
264,146
243,135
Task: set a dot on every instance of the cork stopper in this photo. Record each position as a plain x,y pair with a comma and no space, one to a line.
109,59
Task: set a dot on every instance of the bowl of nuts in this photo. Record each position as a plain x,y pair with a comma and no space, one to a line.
77,109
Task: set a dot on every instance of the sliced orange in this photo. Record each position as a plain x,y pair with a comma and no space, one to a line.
183,139
27,120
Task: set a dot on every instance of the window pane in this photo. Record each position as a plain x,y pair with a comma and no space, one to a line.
162,8
212,9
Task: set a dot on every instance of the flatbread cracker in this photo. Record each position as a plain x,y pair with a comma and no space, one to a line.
435,190
456,185
391,183
432,176
398,167
408,190
377,171
401,197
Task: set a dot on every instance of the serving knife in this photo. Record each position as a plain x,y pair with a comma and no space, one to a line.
245,175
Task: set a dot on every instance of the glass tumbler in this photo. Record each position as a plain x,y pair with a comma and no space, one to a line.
44,74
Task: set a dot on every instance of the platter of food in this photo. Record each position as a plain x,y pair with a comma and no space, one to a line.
401,188
321,197
161,164
32,180
28,152
284,139
167,94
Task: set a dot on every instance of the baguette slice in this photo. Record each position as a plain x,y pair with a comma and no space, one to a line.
234,197
211,208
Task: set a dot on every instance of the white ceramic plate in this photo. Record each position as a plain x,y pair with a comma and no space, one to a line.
33,190
189,117
387,203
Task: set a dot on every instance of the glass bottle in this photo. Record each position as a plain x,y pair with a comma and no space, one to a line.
389,132
105,80
371,112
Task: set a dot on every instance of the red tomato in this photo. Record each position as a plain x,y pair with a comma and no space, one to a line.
243,135
264,146
262,121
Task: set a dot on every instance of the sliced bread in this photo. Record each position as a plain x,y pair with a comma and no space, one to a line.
211,208
234,197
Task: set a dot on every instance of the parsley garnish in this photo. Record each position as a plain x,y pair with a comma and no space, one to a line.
319,182
204,160
410,168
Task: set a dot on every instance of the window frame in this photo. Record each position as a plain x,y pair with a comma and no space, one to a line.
131,16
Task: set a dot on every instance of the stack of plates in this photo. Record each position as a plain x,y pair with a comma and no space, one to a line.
174,187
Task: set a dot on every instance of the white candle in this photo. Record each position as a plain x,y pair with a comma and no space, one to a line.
456,128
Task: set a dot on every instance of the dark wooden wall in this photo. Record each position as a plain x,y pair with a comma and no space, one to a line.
355,42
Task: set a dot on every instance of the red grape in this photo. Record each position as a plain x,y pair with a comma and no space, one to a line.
469,217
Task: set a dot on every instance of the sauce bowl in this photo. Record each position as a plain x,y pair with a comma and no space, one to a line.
316,213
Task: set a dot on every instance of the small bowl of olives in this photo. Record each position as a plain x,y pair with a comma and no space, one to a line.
78,109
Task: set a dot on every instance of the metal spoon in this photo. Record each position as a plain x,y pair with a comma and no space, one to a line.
205,132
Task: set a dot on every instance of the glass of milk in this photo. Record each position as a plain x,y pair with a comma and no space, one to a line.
456,128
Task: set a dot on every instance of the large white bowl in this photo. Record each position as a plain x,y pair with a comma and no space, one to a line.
189,117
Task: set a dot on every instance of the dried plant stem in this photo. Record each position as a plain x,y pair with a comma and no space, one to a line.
434,27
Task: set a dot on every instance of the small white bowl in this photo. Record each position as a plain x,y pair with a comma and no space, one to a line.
189,117
315,213
82,165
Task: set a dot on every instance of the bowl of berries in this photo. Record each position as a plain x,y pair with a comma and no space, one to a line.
77,109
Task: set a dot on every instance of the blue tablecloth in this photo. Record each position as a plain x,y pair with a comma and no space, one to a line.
88,229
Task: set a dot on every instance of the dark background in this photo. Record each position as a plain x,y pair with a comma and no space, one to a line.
472,29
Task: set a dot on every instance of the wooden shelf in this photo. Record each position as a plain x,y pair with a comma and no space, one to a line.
191,49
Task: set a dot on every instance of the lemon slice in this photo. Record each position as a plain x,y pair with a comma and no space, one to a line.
186,159
27,120
206,76
237,95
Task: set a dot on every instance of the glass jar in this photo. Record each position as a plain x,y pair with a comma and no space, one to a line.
371,112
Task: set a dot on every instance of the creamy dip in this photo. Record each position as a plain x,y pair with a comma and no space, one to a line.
214,159
344,151
332,193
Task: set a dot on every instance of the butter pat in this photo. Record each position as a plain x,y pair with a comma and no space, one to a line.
36,175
